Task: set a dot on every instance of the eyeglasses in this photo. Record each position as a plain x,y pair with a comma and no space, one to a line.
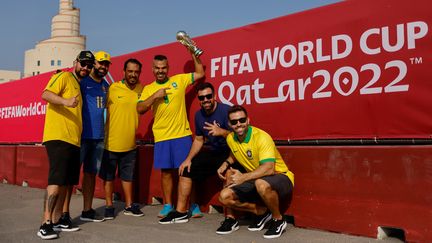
86,64
235,121
208,96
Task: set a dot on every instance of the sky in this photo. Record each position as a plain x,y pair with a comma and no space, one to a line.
121,27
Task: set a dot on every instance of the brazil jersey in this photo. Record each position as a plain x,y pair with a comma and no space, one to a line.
94,101
61,122
257,148
122,117
170,116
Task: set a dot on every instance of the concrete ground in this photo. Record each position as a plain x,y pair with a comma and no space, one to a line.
21,212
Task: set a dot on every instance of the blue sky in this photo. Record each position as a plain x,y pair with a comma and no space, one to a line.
121,27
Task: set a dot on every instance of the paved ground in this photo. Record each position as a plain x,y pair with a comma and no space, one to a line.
21,210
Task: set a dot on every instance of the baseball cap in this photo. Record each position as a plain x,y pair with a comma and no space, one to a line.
85,56
101,56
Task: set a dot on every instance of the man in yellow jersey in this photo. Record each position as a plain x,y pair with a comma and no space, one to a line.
120,144
62,139
264,188
173,140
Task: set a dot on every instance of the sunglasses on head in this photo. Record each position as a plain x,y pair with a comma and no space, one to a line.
235,121
87,64
208,96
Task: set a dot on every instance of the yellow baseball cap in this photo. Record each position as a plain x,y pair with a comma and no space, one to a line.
101,56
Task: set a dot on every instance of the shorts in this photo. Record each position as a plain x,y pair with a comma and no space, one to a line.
64,163
246,192
171,153
126,165
205,164
91,155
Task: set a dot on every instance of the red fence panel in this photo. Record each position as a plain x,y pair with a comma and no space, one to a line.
8,163
355,190
32,166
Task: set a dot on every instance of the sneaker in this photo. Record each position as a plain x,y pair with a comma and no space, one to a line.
65,224
195,211
133,210
91,216
46,232
109,213
276,228
260,222
228,226
165,210
175,217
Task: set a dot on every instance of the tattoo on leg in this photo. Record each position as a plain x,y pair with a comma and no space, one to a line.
52,199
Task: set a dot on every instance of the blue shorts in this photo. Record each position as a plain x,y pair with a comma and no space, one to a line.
91,155
126,165
171,153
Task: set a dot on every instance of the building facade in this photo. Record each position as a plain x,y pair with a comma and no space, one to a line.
60,50
6,76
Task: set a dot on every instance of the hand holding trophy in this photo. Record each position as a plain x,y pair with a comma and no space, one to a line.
183,38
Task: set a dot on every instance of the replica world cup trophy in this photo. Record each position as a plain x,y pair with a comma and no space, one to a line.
183,38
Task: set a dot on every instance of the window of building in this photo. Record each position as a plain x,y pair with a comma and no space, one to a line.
52,62
58,62
33,73
38,63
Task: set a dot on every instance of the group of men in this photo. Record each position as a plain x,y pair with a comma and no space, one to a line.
90,121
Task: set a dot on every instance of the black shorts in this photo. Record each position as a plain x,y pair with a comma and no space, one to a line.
205,164
64,159
126,165
246,192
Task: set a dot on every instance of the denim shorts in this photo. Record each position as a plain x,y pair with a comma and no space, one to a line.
91,155
125,162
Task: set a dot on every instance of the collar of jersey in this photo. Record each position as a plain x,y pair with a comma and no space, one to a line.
248,135
162,82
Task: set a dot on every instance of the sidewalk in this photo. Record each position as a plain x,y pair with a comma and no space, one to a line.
21,212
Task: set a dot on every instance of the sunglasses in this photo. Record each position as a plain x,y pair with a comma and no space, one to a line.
235,121
86,64
202,97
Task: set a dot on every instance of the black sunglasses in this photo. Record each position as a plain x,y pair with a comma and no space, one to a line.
87,64
235,121
208,96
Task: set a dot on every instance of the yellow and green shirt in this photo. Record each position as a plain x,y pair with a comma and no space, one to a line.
170,116
61,122
257,148
122,117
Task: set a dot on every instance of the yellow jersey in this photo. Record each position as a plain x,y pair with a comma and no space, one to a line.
170,116
257,148
61,122
122,117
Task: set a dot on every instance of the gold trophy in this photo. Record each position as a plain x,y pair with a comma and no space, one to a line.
183,38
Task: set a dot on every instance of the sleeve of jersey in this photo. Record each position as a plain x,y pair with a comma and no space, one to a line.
266,150
144,94
56,83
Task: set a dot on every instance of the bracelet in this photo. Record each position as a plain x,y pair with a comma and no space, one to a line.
229,164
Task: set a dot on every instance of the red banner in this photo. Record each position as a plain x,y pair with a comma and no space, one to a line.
355,69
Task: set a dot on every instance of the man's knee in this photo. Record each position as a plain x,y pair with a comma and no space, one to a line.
226,196
262,186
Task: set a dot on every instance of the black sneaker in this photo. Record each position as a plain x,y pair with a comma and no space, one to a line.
276,228
46,232
175,217
228,226
260,221
65,224
133,210
91,216
109,213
